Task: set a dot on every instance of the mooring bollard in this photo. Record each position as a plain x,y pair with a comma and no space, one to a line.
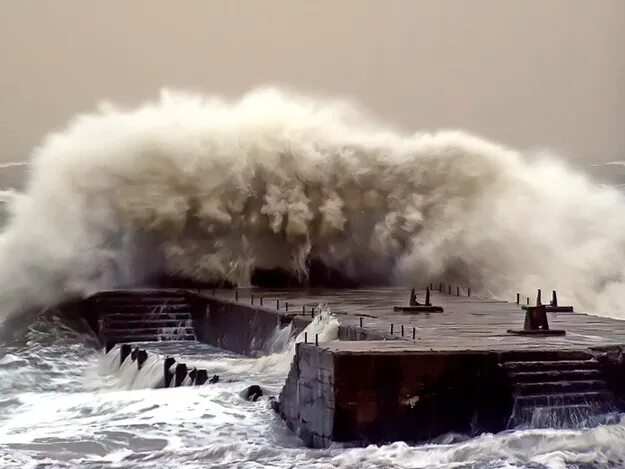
391,328
457,291
538,298
468,292
414,333
124,351
305,337
317,340
286,305
278,304
167,374
261,300
142,356
303,310
402,330
527,301
361,322
180,374
413,298
518,298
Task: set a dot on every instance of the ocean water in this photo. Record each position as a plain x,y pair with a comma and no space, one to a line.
64,403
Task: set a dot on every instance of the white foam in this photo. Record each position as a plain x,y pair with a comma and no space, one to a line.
208,188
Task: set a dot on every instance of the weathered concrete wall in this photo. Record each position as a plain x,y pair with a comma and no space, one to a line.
371,396
237,327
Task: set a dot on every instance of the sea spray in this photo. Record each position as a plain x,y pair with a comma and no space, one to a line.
324,327
273,180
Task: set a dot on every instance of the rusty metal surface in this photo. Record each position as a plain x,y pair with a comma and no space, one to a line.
468,323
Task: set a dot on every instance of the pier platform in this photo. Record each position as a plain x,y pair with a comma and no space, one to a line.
411,376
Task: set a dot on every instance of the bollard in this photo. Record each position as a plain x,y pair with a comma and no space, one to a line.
527,301
414,333
252,299
124,351
554,298
538,299
236,295
402,330
286,305
180,374
167,375
361,322
261,300
449,289
391,328
278,304
427,297
305,337
303,310
317,340
518,298
312,312
201,377
457,291
536,323
413,298
142,356
468,292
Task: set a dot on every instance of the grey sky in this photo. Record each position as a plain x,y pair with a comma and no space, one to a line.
528,73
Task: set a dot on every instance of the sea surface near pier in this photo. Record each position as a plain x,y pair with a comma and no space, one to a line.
64,403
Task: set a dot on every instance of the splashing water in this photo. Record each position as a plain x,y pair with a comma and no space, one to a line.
211,189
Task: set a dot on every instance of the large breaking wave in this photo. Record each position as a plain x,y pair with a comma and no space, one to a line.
211,189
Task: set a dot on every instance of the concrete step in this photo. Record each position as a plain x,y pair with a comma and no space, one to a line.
136,308
153,338
563,416
174,316
554,375
559,387
145,323
572,398
544,355
544,365
112,333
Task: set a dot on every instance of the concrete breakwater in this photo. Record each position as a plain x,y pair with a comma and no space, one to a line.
396,375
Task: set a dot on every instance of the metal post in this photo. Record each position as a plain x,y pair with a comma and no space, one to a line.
468,292
261,300
391,328
361,322
402,330
317,340
305,337
286,305
457,291
277,304
414,333
518,298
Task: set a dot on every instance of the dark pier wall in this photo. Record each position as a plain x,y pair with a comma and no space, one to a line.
237,327
370,396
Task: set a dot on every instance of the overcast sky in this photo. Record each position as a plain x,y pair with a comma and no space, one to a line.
528,73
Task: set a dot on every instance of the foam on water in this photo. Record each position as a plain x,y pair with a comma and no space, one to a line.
64,404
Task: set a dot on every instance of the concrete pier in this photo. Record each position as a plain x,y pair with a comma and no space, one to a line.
408,374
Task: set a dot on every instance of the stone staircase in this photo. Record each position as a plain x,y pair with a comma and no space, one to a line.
563,390
143,316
